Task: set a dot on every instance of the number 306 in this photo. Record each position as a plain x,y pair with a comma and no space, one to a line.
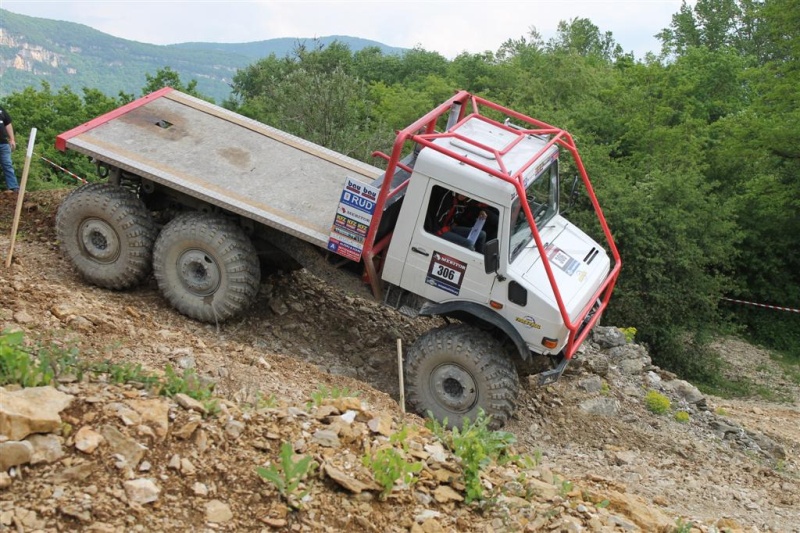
445,273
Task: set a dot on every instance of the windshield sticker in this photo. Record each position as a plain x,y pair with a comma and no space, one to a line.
539,169
446,273
528,321
561,259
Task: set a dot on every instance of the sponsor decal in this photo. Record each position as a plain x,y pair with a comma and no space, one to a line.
446,273
352,220
344,249
528,321
561,259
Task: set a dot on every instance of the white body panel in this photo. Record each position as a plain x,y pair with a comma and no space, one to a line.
441,271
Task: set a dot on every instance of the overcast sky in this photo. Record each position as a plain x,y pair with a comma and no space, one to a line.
442,26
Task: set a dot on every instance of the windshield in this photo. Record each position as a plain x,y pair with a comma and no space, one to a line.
542,198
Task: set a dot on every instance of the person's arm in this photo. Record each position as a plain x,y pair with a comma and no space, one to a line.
12,142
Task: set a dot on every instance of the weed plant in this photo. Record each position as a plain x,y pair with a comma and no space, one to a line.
323,393
682,417
656,402
287,475
43,365
476,446
17,366
388,466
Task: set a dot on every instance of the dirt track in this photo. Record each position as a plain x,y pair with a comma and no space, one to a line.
301,332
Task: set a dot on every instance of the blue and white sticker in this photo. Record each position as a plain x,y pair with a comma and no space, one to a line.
562,259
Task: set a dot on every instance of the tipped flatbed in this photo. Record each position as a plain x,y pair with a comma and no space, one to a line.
225,159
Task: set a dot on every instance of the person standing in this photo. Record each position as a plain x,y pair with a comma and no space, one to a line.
7,143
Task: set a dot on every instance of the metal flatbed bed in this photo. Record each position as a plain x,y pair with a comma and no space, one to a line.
222,158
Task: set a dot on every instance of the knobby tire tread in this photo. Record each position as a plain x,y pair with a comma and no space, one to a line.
127,215
234,253
493,368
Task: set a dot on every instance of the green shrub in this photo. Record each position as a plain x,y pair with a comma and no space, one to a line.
389,466
18,367
266,402
120,373
188,383
682,417
656,402
630,333
476,446
34,366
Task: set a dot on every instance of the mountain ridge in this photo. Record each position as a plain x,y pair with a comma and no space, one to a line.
68,54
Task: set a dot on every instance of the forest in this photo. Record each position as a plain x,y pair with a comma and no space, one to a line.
694,152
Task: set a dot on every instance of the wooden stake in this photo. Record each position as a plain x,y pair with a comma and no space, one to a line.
20,195
400,375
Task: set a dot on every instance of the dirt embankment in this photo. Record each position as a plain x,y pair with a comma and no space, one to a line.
606,461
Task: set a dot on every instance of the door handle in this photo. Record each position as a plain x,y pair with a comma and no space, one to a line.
419,251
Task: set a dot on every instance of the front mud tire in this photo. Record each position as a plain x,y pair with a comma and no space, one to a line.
108,234
206,267
455,371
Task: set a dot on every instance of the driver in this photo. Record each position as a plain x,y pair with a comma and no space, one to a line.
455,218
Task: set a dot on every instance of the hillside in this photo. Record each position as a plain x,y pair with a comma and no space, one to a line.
34,49
123,460
285,45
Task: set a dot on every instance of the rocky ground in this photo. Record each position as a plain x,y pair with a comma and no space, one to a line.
117,458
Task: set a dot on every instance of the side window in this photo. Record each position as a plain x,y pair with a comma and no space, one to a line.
460,219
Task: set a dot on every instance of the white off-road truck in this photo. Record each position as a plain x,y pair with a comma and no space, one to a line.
204,197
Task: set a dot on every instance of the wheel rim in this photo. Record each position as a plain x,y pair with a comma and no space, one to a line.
454,387
199,272
99,240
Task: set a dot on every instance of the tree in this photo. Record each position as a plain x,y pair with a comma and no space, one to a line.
52,114
714,25
418,63
371,65
473,72
166,77
582,37
511,48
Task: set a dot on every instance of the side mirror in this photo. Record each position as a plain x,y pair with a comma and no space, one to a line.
573,193
491,256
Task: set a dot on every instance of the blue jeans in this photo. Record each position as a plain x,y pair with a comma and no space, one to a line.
459,234
8,168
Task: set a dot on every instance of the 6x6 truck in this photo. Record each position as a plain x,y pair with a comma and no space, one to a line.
201,196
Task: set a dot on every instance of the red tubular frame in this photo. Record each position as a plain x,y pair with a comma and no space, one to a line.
423,132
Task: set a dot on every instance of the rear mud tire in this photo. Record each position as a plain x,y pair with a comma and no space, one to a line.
206,267
108,234
455,371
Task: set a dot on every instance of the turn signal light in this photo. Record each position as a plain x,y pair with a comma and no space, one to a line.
549,343
495,305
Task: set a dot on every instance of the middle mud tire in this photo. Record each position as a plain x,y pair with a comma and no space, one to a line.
206,267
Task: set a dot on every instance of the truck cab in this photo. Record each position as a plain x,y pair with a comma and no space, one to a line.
516,288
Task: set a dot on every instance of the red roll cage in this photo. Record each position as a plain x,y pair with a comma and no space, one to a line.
468,106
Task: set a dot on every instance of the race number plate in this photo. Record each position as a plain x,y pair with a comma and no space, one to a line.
446,273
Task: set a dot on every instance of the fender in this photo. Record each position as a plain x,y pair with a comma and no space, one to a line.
458,309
